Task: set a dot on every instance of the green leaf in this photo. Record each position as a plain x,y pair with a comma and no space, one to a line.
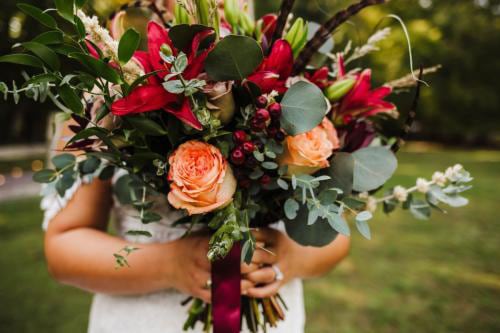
139,233
38,15
304,107
22,59
90,165
45,176
129,43
319,234
97,67
338,223
80,3
94,131
328,196
146,125
44,53
313,216
107,173
71,99
342,172
270,165
291,208
49,38
174,87
150,217
283,184
373,166
234,58
181,62
182,35
42,78
420,209
363,228
80,28
66,9
63,161
65,182
364,216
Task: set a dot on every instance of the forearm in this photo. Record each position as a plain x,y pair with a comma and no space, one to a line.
84,258
318,261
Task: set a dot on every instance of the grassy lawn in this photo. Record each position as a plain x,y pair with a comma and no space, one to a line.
414,276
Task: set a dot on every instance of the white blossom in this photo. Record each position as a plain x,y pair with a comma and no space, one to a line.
364,195
423,185
400,193
371,204
439,178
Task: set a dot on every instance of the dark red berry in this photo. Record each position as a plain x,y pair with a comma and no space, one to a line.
265,180
257,126
262,115
272,131
280,136
258,144
261,102
245,183
248,147
275,110
251,162
238,156
239,136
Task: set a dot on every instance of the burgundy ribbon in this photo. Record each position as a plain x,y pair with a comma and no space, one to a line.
226,292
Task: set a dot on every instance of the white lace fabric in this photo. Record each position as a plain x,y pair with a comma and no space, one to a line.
159,312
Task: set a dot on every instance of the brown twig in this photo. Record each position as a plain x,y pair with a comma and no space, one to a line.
327,29
286,8
412,114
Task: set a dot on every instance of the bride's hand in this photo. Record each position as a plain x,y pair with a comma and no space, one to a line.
191,272
273,249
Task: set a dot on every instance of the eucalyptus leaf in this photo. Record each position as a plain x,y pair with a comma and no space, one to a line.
234,58
373,166
304,107
139,233
291,208
318,235
45,176
339,224
363,228
63,161
420,209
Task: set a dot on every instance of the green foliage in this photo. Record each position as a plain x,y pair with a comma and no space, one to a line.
304,107
373,166
128,45
234,58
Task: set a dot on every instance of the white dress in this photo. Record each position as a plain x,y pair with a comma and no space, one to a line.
159,312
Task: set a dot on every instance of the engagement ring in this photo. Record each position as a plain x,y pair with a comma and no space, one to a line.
279,274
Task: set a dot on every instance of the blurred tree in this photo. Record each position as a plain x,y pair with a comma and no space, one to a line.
461,105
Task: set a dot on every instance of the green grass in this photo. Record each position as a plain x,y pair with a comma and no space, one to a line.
413,276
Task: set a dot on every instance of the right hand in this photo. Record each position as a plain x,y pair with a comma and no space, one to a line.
191,271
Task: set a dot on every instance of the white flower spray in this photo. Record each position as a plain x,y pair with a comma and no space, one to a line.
109,46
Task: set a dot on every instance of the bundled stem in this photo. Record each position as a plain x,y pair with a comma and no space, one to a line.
412,114
285,10
327,29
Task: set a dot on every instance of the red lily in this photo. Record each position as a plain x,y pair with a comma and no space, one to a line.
275,69
320,77
361,101
268,25
153,96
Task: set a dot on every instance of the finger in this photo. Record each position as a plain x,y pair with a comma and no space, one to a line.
267,236
245,285
245,269
265,291
204,294
261,257
264,275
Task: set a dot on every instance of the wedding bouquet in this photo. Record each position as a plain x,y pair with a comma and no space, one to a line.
235,122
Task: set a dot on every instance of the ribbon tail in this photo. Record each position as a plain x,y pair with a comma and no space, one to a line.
226,292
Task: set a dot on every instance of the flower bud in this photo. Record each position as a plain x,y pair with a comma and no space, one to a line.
181,16
221,101
231,12
297,36
339,89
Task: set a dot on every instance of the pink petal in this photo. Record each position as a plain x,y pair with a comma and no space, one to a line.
265,80
280,59
157,36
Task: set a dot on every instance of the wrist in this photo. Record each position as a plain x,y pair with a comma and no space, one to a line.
168,264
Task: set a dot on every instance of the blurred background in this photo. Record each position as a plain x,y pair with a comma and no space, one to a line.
414,276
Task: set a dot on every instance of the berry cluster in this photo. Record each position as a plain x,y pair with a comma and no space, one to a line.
264,123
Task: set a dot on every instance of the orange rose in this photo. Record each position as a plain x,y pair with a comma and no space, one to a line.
202,180
309,152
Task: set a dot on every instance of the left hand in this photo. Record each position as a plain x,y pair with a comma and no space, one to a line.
274,248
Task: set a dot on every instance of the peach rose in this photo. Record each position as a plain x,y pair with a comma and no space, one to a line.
309,152
202,179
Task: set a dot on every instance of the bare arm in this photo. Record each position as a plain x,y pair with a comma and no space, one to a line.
80,253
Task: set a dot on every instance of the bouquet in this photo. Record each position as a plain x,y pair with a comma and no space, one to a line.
235,122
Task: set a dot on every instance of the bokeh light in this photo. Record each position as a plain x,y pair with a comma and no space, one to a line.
16,172
36,165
